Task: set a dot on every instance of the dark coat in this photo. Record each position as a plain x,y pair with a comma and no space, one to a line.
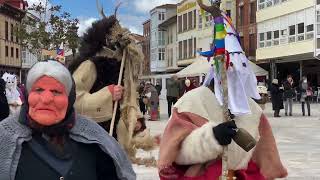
276,97
4,106
288,90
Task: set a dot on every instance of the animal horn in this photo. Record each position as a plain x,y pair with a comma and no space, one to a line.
116,9
100,9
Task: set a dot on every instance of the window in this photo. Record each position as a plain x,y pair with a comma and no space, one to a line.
161,16
252,45
276,34
194,19
7,51
17,29
11,51
180,50
190,44
161,38
208,19
11,32
292,30
17,53
309,28
195,47
179,24
190,20
241,15
269,35
185,22
300,28
261,35
261,4
252,12
161,54
200,21
185,49
6,30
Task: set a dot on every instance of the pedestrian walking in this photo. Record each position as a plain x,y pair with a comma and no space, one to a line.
158,88
288,94
276,97
173,88
306,95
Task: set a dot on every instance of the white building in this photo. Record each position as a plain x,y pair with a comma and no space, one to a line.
286,38
159,14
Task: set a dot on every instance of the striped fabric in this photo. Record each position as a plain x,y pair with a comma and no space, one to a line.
220,34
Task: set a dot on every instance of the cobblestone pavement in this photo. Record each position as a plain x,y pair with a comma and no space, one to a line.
297,136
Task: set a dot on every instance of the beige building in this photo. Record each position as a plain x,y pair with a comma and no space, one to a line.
286,38
195,29
10,50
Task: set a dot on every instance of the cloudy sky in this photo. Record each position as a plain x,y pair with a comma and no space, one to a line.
132,13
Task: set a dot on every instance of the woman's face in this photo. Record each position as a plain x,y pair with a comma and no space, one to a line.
48,101
138,126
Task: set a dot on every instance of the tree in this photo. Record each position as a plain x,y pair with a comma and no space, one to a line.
46,28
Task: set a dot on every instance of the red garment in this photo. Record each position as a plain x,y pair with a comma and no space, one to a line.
213,172
192,86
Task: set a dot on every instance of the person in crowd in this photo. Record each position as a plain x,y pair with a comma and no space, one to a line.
142,105
173,88
188,86
288,94
4,106
158,88
153,101
50,141
276,97
306,95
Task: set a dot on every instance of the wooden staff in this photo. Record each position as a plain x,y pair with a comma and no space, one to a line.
119,83
226,174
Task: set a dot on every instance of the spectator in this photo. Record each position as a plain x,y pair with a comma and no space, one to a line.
4,106
188,86
172,92
306,95
158,88
153,101
142,104
276,97
288,94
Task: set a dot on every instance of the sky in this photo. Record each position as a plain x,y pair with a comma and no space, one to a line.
132,13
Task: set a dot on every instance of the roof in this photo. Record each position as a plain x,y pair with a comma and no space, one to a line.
169,21
147,21
165,6
12,11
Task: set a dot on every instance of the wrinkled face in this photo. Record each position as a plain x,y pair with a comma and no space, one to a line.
48,101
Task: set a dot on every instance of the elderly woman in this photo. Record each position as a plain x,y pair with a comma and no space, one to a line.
49,141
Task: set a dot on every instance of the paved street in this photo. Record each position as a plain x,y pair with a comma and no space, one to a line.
298,140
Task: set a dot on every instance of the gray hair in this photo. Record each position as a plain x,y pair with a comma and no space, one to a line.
52,69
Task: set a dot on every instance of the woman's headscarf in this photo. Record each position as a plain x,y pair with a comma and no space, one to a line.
59,72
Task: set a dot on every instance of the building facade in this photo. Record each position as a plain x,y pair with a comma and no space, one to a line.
146,48
287,40
170,28
247,26
195,29
158,36
10,49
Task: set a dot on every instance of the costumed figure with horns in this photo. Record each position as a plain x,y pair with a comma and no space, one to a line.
217,130
108,53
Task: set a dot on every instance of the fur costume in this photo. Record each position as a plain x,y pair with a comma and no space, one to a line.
98,68
12,93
